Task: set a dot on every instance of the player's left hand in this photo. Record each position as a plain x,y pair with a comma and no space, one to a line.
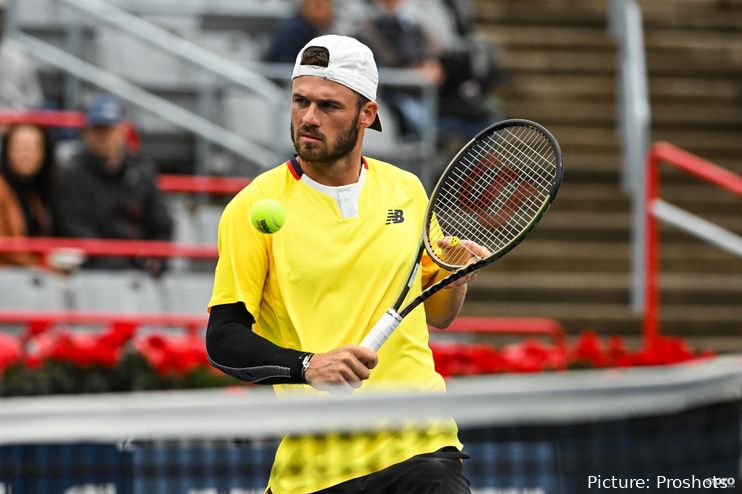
464,252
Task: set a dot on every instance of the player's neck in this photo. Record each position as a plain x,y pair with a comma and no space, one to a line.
344,171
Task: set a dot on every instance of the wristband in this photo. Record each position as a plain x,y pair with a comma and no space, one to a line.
305,359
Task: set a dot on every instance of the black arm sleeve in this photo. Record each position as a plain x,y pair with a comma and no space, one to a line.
236,350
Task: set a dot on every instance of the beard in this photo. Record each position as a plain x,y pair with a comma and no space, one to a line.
314,153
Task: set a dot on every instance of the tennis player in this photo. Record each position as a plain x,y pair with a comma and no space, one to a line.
289,309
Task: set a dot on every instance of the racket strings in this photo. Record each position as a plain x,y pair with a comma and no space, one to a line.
523,169
484,193
493,193
510,183
543,145
451,216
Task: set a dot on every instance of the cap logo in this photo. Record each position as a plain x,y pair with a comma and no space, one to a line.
316,55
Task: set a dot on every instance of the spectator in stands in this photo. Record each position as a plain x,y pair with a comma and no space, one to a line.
396,40
107,192
472,72
20,88
407,35
312,18
26,176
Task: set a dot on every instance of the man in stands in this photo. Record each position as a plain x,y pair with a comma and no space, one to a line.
107,192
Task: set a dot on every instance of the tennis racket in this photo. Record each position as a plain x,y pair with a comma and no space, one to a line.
489,198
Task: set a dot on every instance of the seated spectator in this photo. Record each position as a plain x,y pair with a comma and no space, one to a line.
26,174
467,99
107,192
20,88
312,18
397,41
409,35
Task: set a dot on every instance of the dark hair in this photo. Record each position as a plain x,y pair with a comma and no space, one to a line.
43,182
361,101
316,55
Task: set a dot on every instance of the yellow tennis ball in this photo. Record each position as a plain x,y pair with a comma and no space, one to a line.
453,241
268,215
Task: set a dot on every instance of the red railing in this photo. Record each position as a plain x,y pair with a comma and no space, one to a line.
665,153
45,118
38,322
47,247
525,326
202,184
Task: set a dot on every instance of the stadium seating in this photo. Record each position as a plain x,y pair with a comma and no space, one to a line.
31,289
115,291
186,293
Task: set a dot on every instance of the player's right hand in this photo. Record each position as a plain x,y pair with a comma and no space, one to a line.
342,369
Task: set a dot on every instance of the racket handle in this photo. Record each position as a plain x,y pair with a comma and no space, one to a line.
382,330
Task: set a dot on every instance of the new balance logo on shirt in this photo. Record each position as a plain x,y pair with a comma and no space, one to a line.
394,216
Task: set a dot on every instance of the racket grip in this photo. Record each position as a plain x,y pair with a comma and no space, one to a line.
382,330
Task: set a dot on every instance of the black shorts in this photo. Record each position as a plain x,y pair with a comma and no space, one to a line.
439,472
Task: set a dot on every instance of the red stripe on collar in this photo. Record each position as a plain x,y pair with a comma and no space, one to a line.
295,168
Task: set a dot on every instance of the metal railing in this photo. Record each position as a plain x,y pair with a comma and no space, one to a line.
634,124
209,62
656,209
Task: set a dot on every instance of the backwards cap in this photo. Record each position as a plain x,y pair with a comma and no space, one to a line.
344,60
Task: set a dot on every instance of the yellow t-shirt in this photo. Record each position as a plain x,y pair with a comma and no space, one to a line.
321,282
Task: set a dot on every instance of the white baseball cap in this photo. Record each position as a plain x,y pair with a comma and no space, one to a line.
349,62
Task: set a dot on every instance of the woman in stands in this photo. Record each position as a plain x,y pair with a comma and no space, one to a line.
26,173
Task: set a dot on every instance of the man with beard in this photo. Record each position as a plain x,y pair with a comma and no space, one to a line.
289,309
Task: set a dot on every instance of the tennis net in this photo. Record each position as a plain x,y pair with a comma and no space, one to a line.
665,428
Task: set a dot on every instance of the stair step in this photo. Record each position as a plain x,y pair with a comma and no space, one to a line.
541,12
598,281
572,61
676,289
693,62
547,38
537,255
696,15
678,39
679,114
555,87
697,89
615,227
605,164
617,318
592,197
565,112
718,115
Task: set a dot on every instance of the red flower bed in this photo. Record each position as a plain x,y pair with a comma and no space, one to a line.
64,361
533,355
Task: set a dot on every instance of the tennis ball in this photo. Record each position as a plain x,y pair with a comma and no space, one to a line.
267,215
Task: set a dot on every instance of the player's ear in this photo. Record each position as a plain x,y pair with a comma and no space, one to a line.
368,114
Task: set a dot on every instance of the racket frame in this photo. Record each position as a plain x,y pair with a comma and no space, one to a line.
393,316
